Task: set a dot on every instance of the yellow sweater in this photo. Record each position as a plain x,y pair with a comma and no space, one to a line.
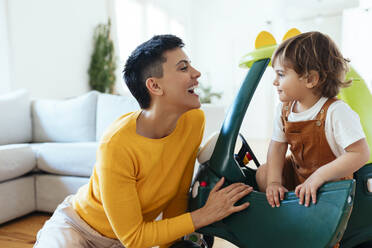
136,178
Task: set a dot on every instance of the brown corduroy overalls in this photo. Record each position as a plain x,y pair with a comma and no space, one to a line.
308,144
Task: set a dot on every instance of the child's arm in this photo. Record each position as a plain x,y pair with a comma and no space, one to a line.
356,155
275,162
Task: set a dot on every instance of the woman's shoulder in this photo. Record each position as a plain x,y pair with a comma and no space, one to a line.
194,116
121,127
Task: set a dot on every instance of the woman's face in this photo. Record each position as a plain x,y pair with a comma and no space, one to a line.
179,80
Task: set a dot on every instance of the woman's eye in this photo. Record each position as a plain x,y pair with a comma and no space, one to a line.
280,75
184,68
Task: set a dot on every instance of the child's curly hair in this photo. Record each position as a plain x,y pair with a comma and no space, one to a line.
315,51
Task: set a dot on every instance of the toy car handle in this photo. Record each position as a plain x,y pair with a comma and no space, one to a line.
223,153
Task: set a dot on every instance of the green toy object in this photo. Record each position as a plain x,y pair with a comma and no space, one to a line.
291,225
359,98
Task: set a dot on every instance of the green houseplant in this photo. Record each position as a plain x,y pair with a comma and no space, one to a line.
103,62
206,94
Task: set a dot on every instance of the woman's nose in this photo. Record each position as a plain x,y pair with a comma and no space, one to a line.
196,73
275,83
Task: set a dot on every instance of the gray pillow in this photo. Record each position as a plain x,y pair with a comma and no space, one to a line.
71,120
15,124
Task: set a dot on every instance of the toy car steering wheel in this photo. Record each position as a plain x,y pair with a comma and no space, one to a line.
245,153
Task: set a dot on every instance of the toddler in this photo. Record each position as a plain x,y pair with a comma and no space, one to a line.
324,134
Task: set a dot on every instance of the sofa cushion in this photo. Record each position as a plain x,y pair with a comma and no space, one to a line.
72,159
52,190
111,107
15,124
17,198
15,161
70,120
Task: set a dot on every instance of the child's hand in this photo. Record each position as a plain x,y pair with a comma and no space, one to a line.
273,191
309,188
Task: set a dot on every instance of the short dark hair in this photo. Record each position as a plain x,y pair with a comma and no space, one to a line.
146,61
315,51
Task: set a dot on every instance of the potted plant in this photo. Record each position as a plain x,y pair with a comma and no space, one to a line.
206,94
214,113
103,62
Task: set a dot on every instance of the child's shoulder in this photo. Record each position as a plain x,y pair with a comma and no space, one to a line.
339,105
340,109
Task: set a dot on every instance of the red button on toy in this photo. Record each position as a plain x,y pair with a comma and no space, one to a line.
249,157
203,184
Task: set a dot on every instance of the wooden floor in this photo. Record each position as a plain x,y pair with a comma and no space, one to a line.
21,233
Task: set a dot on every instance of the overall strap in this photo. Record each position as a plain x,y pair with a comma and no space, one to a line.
323,111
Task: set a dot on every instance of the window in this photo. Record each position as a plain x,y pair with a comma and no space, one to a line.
137,21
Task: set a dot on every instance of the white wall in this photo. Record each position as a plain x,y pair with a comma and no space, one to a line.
4,48
223,33
357,40
135,22
51,44
328,24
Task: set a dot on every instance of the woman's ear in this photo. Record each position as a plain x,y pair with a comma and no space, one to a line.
153,87
312,79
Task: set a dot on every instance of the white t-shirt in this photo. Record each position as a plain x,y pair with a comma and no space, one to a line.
342,125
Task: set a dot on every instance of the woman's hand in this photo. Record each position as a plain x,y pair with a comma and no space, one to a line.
308,189
220,203
275,193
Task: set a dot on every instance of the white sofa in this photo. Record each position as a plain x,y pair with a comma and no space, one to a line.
48,147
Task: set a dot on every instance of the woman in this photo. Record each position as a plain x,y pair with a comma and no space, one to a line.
145,163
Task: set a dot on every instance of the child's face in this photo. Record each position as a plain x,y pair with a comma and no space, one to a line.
179,80
290,86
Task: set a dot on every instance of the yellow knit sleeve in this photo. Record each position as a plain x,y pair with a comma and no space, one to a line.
120,200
